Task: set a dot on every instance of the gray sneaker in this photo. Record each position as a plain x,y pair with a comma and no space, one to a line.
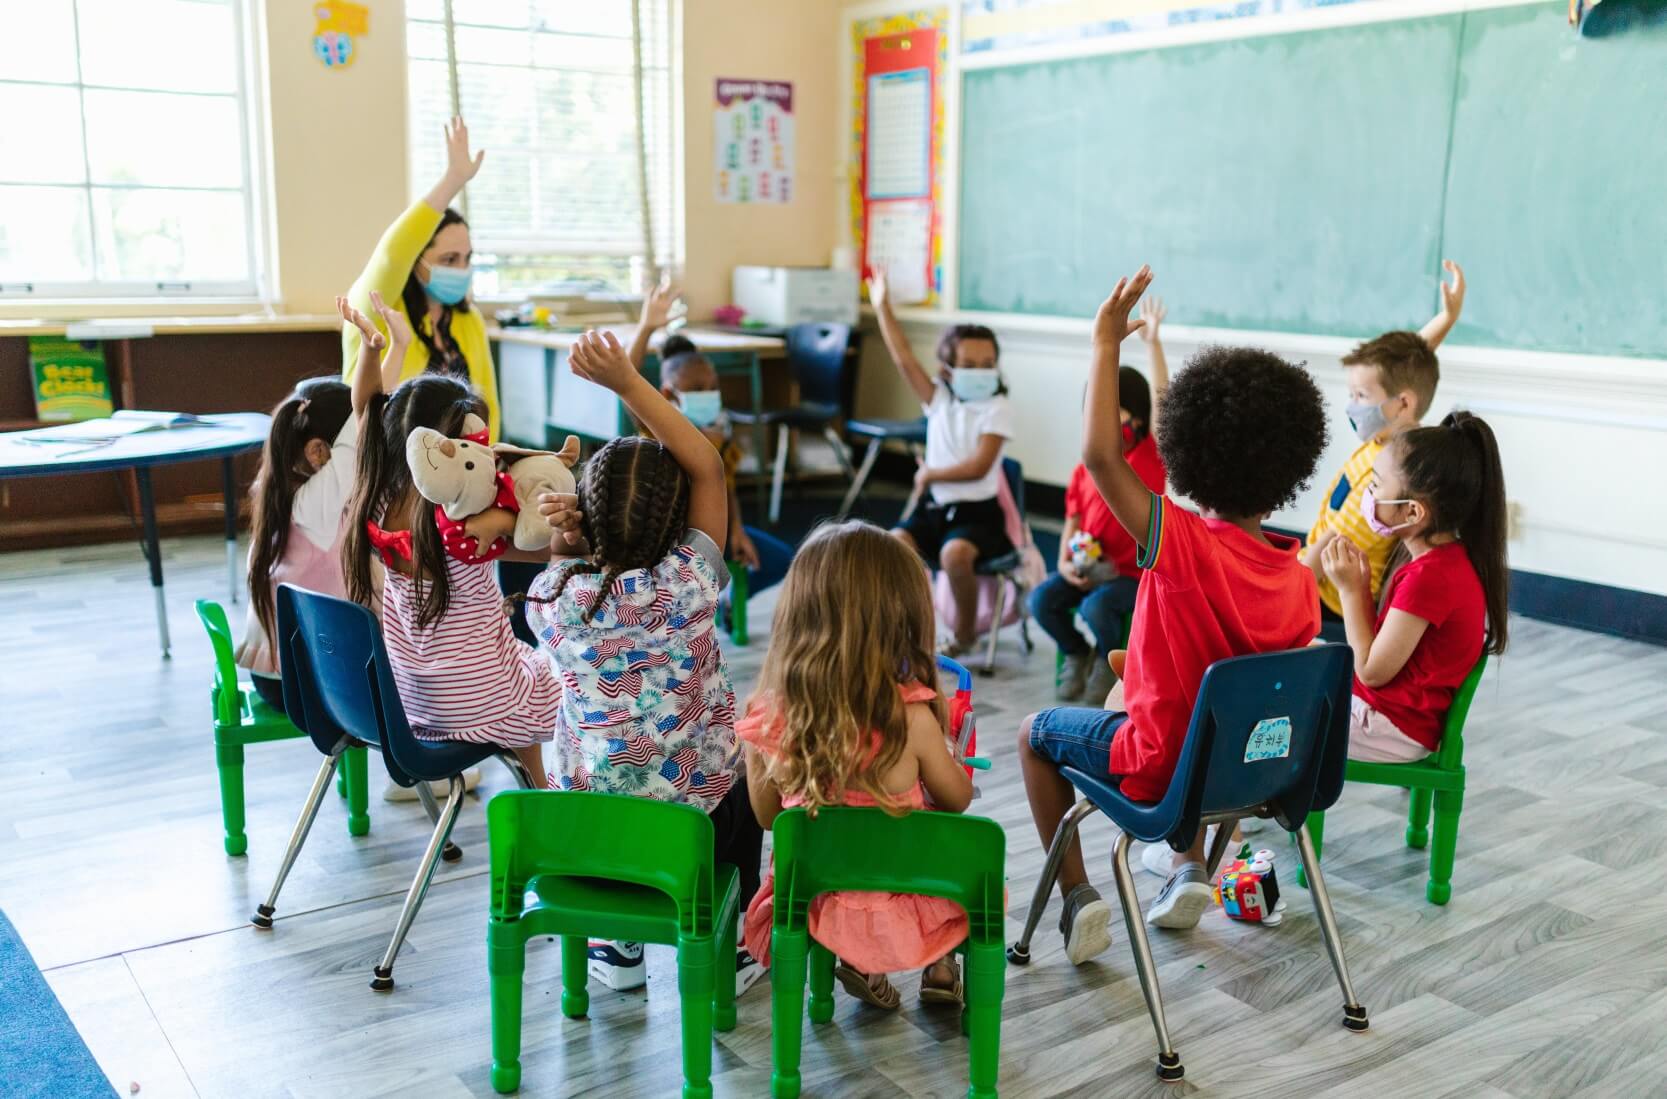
1085,923
1073,674
1182,900
1100,682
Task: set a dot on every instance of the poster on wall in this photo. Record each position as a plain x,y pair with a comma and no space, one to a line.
992,25
340,24
897,150
753,130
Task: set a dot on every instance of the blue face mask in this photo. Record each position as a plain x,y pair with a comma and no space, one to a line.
701,406
448,285
974,383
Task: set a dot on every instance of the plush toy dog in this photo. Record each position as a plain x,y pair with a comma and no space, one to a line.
463,477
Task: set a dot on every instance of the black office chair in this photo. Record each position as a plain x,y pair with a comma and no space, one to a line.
821,360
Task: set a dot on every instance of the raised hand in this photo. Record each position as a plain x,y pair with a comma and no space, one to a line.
460,167
368,332
598,357
1452,294
656,307
1111,322
878,291
399,329
1152,313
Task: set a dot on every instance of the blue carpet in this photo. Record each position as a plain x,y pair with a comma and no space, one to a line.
42,1055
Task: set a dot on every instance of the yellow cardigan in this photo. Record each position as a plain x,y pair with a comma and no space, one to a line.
396,254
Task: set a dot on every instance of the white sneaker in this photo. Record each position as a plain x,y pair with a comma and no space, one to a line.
1086,924
1159,859
620,966
395,792
1183,899
748,970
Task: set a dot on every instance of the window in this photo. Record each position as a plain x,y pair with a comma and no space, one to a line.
124,156
547,89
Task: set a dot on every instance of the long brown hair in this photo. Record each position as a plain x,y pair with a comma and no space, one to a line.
1454,470
316,409
634,503
854,621
428,400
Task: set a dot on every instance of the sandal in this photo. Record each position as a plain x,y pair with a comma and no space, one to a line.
872,989
939,992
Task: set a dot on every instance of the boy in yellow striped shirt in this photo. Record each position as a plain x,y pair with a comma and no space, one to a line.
1392,381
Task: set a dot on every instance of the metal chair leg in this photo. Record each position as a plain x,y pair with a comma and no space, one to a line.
452,852
517,769
1019,952
783,438
860,479
840,454
1354,1015
1219,846
995,625
382,979
1169,1062
303,824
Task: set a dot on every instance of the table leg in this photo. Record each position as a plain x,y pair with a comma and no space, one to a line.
760,436
228,486
153,553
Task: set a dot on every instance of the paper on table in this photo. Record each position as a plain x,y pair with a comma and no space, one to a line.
900,244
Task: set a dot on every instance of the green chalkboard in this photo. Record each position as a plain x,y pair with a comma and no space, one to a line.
1311,182
1557,200
1287,183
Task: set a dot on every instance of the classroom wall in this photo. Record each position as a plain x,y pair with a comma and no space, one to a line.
794,40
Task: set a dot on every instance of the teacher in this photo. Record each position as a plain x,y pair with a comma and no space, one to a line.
421,266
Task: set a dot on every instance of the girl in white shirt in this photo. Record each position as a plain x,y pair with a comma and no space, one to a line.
968,421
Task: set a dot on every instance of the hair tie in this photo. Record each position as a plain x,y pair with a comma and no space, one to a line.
301,409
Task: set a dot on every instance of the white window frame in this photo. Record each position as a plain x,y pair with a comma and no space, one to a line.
257,225
670,250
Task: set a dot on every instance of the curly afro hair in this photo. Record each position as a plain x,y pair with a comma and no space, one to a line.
1240,431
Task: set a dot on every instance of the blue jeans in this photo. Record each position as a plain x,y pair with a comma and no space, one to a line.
774,556
1054,603
1072,736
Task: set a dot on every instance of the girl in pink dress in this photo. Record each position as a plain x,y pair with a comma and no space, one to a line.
461,672
848,712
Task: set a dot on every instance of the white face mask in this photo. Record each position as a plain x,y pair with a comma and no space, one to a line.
974,383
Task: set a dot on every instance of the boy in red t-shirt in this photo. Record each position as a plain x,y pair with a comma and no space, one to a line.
1240,433
1104,593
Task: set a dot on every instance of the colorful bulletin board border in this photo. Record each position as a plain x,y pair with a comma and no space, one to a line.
988,25
862,31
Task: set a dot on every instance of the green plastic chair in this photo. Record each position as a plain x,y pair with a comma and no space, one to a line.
948,855
1438,778
242,718
613,885
737,602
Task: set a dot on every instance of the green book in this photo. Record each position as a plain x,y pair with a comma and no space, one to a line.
70,380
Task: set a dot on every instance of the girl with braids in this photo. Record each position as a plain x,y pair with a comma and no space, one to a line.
848,712
647,707
1441,490
422,265
461,673
300,496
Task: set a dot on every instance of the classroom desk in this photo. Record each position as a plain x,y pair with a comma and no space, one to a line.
222,437
542,402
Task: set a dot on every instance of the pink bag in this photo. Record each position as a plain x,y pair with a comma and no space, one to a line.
944,600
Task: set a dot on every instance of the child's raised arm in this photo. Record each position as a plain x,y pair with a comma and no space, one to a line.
896,342
656,311
599,358
1102,428
1452,304
1152,313
946,781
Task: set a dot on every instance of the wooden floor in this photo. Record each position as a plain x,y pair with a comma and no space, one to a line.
1546,975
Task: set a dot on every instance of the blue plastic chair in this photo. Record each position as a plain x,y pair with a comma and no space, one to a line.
820,357
1302,697
339,688
878,433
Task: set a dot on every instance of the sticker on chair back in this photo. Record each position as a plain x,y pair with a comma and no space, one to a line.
1270,739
